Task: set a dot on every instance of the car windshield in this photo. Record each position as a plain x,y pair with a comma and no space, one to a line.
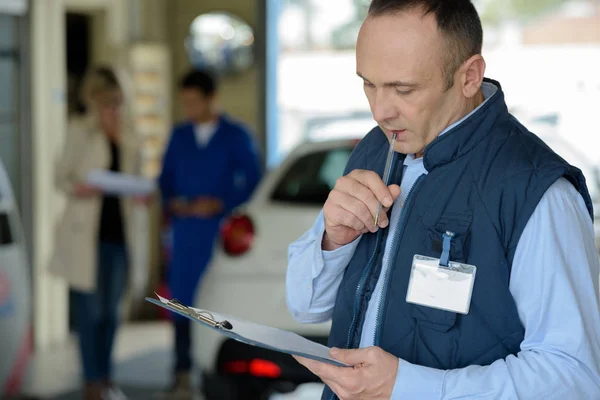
311,177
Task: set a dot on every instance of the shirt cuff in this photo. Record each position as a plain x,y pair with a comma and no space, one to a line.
341,252
418,382
333,261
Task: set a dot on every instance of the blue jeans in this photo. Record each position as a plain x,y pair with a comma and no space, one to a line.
183,344
97,312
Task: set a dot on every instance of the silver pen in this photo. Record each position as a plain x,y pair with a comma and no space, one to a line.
387,171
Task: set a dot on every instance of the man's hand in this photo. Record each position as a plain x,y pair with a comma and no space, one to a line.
352,205
372,377
83,190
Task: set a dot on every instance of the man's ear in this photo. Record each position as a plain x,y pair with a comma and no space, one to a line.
471,75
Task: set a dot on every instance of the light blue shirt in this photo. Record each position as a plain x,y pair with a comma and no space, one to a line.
554,282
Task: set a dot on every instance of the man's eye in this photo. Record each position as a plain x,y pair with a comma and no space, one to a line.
404,92
369,85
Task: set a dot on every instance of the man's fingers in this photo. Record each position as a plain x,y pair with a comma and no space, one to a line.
340,216
354,204
358,189
359,200
395,192
312,365
336,388
349,384
356,208
352,357
373,181
342,380
307,362
321,369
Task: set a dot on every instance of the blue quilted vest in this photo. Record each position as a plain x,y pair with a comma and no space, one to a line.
485,179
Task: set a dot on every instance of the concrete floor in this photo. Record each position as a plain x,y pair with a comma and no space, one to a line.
143,361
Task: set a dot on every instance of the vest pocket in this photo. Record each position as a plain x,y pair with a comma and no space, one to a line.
433,318
460,224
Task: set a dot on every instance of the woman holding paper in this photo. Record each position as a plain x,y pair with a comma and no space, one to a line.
91,248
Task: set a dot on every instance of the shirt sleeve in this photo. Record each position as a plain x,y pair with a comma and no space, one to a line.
554,282
314,275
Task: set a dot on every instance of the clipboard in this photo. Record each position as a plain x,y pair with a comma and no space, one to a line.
250,333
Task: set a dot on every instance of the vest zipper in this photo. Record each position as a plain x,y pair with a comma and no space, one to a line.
398,232
361,283
363,278
367,269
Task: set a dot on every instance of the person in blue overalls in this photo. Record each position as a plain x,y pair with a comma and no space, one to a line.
210,167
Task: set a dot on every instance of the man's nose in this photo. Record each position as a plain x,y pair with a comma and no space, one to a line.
383,108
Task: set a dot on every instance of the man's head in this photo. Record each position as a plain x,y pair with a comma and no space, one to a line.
198,96
421,65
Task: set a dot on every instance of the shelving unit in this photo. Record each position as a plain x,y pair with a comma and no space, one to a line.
151,92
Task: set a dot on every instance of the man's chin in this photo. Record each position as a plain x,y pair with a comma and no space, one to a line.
405,148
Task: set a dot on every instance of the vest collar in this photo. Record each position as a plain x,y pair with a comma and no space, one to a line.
464,137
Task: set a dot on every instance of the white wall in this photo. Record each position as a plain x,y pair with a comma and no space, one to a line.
48,123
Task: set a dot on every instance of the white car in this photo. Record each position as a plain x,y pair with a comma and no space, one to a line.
246,277
15,299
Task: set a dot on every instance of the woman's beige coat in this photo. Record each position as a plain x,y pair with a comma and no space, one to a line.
76,249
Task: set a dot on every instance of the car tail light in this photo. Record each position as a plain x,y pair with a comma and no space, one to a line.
256,367
264,369
237,235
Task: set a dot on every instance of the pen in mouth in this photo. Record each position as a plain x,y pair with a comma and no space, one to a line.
387,171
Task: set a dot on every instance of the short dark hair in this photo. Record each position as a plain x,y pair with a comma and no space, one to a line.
457,20
200,80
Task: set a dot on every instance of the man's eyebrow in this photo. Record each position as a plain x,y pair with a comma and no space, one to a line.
392,84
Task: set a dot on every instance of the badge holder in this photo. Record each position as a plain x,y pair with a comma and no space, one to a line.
441,283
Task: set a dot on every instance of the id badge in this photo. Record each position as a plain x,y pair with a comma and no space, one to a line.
443,287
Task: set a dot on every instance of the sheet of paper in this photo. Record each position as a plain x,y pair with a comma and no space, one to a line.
285,341
120,184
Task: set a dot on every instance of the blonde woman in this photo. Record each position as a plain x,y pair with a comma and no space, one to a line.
91,251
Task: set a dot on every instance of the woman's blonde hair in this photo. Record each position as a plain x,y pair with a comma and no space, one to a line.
97,81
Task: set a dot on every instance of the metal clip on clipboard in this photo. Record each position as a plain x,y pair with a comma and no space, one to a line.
203,316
